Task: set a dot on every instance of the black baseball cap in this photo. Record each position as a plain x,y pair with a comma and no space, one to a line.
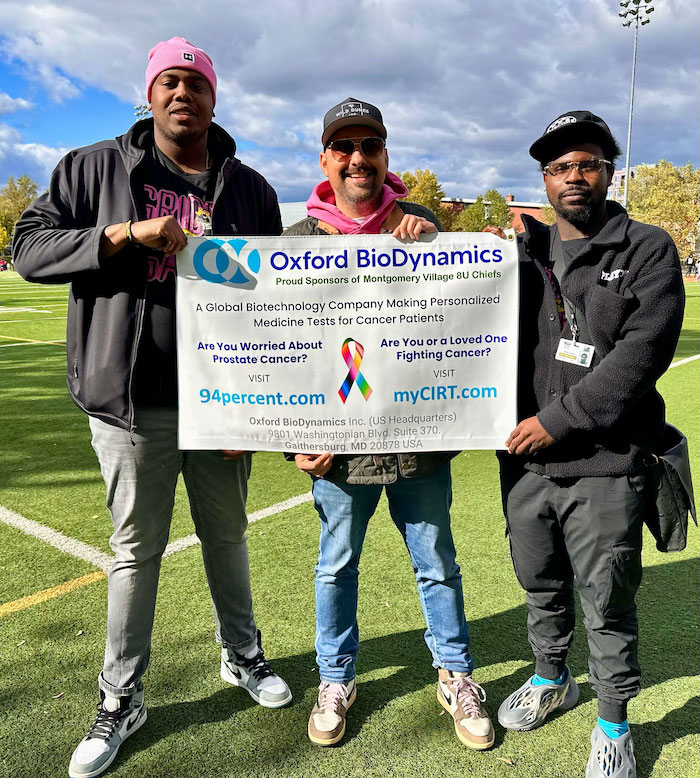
352,111
573,127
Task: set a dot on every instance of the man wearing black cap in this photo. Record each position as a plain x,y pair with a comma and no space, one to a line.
361,196
601,311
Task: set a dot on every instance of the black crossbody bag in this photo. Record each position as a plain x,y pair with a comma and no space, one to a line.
668,521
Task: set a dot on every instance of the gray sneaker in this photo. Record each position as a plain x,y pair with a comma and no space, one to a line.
528,706
611,758
98,749
255,676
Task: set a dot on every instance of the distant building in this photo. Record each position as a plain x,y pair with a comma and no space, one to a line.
617,187
516,207
294,212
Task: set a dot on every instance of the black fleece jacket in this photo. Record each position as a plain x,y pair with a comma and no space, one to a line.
627,284
57,241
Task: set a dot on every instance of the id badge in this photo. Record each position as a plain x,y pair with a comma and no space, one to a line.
576,352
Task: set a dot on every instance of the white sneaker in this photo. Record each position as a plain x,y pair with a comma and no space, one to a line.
327,720
255,675
117,718
461,696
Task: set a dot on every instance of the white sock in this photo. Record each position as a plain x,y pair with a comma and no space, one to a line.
273,683
110,703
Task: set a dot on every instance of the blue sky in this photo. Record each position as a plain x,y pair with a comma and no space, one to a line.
464,87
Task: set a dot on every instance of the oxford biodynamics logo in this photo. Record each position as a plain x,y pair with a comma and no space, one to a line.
224,262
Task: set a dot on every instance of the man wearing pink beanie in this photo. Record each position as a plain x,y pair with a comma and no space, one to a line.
115,215
179,53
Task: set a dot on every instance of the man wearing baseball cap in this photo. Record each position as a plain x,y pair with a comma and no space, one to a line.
601,310
115,215
360,196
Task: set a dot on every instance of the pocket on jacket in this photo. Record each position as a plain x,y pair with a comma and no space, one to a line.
608,308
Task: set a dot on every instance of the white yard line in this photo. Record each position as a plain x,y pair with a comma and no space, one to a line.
76,548
193,540
684,361
21,309
31,291
80,550
35,343
31,321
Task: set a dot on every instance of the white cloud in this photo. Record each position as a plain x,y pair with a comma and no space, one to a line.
9,137
465,87
34,159
45,157
58,87
11,104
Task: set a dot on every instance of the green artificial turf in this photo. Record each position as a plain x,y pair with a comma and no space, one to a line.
198,726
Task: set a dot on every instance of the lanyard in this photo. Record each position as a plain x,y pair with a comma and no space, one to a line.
579,331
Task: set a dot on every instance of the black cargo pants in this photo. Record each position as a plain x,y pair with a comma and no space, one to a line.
587,530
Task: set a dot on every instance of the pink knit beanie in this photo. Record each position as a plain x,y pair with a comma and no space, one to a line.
178,53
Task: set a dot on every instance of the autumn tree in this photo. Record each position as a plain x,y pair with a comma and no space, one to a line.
667,196
547,215
425,189
472,218
489,208
4,238
15,197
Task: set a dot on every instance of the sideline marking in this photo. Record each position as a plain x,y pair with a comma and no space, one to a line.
49,594
76,548
193,540
32,321
34,343
684,361
29,340
80,550
21,310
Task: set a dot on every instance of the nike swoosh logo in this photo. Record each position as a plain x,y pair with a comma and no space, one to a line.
447,696
132,722
237,673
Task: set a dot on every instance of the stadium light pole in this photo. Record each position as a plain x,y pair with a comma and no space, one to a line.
141,110
633,12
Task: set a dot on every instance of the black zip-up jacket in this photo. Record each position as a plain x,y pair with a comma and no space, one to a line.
57,240
377,468
626,283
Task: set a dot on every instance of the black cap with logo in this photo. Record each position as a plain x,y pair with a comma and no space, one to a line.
573,127
352,111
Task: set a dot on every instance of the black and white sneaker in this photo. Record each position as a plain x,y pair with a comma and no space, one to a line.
255,676
117,718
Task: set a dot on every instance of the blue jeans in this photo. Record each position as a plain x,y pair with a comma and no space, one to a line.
420,508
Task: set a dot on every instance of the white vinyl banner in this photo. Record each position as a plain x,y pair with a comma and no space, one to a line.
352,344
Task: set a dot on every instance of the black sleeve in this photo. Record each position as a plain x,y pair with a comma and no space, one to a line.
55,238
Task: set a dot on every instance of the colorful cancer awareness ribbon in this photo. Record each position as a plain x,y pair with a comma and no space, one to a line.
354,374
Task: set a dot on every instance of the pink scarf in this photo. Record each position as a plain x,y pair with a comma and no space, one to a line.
322,205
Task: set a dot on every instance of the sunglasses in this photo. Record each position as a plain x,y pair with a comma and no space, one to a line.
345,147
584,167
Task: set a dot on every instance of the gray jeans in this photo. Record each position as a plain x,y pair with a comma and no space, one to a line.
140,477
588,530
